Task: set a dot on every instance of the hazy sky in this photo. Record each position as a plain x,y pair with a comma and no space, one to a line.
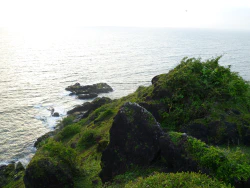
223,14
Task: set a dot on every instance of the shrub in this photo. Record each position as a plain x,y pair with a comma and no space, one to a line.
87,139
193,89
104,115
229,168
59,152
184,180
68,120
70,130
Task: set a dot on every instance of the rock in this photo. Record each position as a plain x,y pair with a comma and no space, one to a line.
55,114
175,155
43,137
10,173
6,174
95,182
73,145
95,88
19,167
80,108
88,107
87,96
134,140
47,173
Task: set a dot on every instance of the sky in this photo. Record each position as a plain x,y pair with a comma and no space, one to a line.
219,14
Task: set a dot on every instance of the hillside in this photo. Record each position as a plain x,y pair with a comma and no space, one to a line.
191,124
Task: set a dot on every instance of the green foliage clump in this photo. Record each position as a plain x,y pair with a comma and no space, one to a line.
175,137
103,115
87,139
59,152
229,168
68,120
174,180
130,175
70,130
195,88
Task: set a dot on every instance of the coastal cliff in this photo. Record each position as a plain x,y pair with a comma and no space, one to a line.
191,125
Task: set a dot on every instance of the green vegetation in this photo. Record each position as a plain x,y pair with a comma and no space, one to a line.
87,139
199,89
175,180
195,93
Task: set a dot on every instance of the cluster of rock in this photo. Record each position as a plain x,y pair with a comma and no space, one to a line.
10,172
82,111
137,139
88,91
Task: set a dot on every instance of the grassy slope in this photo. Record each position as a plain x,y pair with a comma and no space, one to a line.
189,102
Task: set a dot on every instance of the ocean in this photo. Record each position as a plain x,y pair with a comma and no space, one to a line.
36,65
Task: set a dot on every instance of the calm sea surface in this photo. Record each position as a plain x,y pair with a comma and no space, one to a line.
36,66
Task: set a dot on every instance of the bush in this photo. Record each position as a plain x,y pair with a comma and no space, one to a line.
59,152
229,168
184,180
87,139
68,120
193,88
70,130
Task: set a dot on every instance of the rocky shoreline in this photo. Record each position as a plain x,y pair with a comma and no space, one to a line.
179,124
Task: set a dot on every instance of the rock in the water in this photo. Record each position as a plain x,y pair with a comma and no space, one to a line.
90,106
95,88
87,96
80,108
47,173
134,140
55,114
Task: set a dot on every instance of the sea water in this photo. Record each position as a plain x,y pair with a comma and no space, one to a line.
36,65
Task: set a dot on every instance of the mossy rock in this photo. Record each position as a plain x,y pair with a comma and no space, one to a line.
11,174
185,153
134,138
46,173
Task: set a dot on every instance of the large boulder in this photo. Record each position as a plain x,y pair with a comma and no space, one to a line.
134,140
46,173
175,155
95,88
